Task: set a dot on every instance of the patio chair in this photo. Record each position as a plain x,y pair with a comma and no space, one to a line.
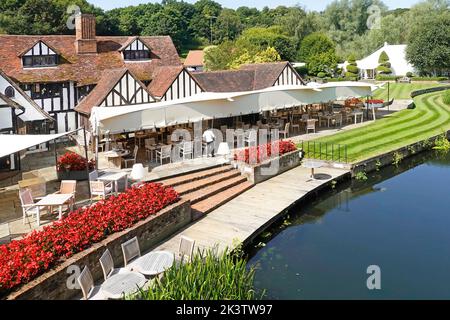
285,132
311,125
338,120
164,153
86,282
186,249
251,137
99,190
187,148
68,187
305,117
93,176
130,250
27,202
107,264
246,127
132,158
150,147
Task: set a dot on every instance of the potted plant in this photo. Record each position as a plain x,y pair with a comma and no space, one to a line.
72,166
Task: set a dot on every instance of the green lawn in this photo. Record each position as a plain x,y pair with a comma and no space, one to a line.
401,90
430,117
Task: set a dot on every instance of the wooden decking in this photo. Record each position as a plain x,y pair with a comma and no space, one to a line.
249,213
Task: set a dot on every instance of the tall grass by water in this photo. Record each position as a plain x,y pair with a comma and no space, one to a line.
208,277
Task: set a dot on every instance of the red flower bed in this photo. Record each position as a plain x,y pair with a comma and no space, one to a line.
72,161
23,260
264,151
374,101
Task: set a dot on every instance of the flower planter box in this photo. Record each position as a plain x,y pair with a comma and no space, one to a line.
73,175
270,168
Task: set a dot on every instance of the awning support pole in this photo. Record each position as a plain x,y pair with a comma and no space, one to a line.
87,159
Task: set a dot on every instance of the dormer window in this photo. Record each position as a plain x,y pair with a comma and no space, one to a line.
40,56
135,50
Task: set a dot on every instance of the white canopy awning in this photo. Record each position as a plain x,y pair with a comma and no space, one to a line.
13,143
209,105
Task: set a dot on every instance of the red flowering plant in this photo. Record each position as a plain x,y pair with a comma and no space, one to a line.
375,101
265,151
72,161
25,259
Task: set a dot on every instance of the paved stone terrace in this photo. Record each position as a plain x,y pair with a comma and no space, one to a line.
246,215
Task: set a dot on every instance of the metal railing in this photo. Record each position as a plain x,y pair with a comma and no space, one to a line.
325,151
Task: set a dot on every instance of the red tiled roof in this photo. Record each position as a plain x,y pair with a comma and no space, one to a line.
85,68
107,83
247,78
163,77
194,58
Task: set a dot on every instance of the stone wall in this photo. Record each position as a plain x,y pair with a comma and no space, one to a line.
270,168
52,285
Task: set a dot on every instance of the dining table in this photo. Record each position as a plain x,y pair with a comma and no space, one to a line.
115,158
122,284
115,177
53,200
153,263
357,114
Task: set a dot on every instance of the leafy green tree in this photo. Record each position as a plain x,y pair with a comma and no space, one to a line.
228,26
204,17
219,57
263,38
267,55
325,62
429,40
315,44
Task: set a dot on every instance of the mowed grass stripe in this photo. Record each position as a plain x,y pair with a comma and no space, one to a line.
402,90
431,115
426,130
430,118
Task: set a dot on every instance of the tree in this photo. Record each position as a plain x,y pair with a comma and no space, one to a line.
218,57
384,66
200,22
315,44
267,55
429,43
322,63
262,38
228,26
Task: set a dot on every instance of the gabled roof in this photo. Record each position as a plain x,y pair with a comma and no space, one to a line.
130,41
248,78
32,110
107,82
194,58
32,46
164,77
83,68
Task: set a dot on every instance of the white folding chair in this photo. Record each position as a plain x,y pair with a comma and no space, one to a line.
186,249
311,125
187,148
99,190
107,264
27,202
86,282
164,153
285,132
130,250
251,137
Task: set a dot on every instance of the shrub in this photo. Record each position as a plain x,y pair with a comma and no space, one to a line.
384,66
23,260
352,69
429,78
350,75
386,78
409,74
321,75
383,70
447,97
302,71
264,152
208,277
72,161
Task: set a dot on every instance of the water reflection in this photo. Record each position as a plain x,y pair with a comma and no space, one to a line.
397,219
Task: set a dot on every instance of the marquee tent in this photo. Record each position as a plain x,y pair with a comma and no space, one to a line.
207,106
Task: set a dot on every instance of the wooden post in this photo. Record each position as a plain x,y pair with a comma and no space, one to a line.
56,156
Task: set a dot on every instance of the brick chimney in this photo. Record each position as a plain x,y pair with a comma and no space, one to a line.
86,41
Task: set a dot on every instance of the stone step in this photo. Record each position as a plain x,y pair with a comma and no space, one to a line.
212,190
207,205
193,186
187,178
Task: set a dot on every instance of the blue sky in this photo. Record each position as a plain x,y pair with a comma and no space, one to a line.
309,4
